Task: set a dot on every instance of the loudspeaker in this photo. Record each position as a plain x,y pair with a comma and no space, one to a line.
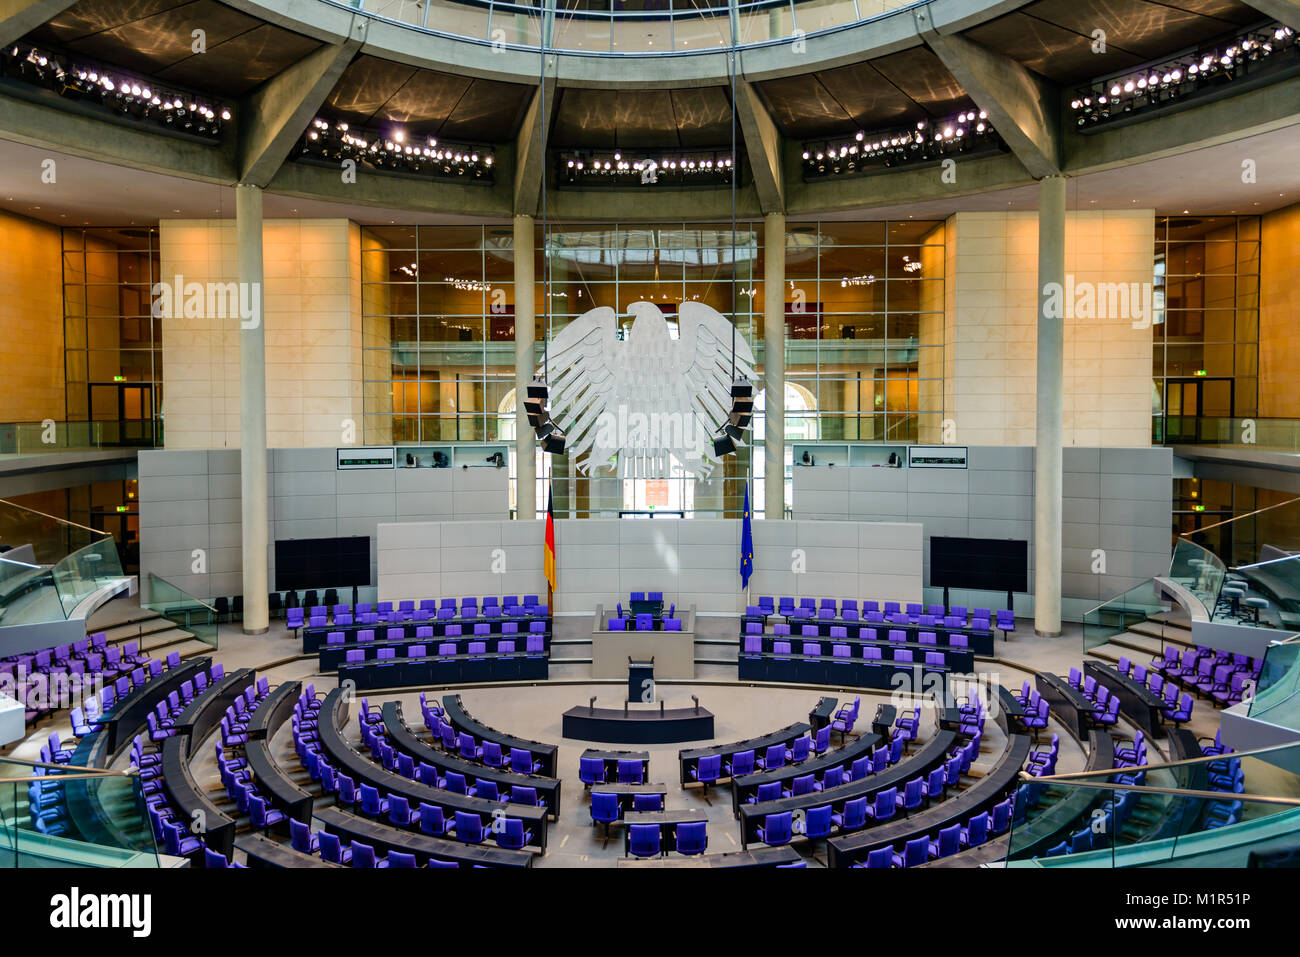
548,433
731,433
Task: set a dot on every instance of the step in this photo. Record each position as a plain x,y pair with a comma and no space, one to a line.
1108,654
115,613
140,629
1169,634
1174,619
190,648
1138,642
160,640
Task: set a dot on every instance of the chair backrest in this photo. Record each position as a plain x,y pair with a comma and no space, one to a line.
742,762
604,807
469,827
777,828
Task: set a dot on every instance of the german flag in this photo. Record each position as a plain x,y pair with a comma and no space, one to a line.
548,566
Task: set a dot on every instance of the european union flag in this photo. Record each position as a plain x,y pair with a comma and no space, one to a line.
746,545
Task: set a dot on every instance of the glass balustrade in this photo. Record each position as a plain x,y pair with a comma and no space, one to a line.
1277,693
183,610
49,436
52,565
1205,812
613,28
63,816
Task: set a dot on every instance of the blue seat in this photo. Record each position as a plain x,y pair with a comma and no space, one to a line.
776,829
591,771
469,828
604,809
514,836
644,840
692,837
707,770
854,815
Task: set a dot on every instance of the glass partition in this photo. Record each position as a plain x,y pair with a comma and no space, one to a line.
1207,811
48,436
1277,693
1121,613
52,566
614,28
1198,570
182,609
63,816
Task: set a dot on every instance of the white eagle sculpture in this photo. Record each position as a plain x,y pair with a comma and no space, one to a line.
647,396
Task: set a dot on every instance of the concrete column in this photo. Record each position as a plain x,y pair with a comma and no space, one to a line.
252,411
525,317
774,364
1049,421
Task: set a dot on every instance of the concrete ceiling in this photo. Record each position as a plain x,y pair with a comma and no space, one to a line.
1206,181
155,38
1055,37
1052,37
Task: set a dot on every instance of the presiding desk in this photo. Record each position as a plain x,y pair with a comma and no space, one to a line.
638,725
1136,701
673,651
547,755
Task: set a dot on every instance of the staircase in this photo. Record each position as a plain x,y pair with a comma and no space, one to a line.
1148,638
123,621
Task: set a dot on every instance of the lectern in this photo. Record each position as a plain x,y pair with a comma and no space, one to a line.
640,680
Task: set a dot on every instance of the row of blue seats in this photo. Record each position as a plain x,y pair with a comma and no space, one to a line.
428,609
846,607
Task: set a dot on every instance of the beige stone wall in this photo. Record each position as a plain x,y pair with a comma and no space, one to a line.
31,320
932,361
992,299
1279,308
376,337
312,296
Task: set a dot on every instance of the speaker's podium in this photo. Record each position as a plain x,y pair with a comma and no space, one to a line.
640,680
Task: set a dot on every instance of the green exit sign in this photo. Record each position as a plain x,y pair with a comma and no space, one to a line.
1200,372
119,378
121,508
1198,508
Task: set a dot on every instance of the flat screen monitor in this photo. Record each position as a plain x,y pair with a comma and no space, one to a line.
302,563
986,564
